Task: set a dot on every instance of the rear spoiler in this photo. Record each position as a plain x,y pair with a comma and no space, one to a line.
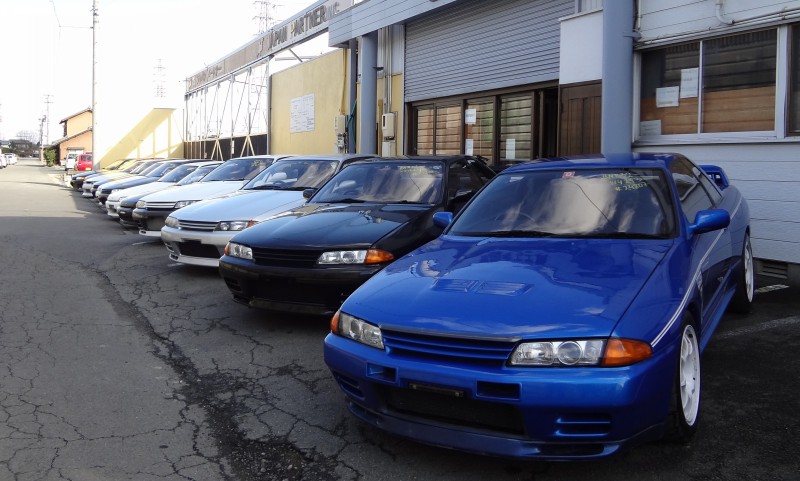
717,175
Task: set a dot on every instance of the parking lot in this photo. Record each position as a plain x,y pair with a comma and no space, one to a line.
116,363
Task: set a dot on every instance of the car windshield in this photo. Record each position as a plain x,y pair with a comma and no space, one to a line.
572,203
198,174
238,169
178,173
141,168
385,182
162,169
294,174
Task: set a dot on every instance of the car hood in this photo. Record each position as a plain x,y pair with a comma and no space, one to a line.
510,288
330,225
140,190
242,205
107,176
196,191
131,182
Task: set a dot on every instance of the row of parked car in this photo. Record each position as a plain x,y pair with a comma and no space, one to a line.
554,310
7,159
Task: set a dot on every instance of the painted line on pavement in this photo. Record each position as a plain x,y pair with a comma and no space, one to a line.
765,326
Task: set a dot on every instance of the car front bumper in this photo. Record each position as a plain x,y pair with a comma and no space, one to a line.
111,208
314,291
149,221
199,248
520,413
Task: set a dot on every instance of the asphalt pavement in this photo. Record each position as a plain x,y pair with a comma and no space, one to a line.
117,364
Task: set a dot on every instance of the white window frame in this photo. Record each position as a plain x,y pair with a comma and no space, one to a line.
781,98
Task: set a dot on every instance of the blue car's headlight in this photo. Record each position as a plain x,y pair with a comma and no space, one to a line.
356,329
232,225
580,352
172,222
238,250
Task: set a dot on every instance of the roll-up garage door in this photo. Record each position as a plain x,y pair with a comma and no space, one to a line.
474,46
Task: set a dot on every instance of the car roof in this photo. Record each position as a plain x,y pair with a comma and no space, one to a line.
636,159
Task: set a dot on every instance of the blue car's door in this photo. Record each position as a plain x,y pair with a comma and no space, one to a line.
711,251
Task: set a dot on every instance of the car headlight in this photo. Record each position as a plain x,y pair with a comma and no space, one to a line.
580,352
184,203
172,222
238,250
357,329
232,225
371,256
141,204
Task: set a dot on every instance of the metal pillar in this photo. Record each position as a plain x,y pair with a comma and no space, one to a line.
352,83
368,143
617,104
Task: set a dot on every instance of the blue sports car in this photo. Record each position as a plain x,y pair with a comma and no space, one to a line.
560,315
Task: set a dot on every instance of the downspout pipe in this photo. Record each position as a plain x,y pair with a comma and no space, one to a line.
352,94
368,118
721,16
617,101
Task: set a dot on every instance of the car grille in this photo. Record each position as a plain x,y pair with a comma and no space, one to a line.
469,351
460,411
285,257
196,249
197,225
159,205
155,223
286,290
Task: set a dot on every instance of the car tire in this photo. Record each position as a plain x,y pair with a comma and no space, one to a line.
685,403
742,301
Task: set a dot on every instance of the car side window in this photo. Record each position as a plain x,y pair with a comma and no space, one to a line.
692,194
712,189
462,183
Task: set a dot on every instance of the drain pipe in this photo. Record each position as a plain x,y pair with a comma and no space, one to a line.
721,16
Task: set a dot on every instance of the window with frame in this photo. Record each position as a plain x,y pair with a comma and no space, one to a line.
724,84
793,113
479,128
516,127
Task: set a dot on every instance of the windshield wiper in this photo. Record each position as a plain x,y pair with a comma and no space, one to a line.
347,200
266,187
511,233
622,235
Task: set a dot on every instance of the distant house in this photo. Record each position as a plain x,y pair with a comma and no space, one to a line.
77,136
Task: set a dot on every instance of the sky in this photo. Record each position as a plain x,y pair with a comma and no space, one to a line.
47,50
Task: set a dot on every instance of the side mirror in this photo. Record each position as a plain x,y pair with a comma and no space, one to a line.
710,220
308,193
442,219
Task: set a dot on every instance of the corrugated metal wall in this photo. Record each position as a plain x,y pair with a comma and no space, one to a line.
478,45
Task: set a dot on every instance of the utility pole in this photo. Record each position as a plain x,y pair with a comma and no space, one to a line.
47,103
41,138
95,153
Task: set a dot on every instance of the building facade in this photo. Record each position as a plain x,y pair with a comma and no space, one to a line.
513,80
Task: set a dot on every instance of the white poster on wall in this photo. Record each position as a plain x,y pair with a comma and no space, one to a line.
689,82
468,146
301,115
649,127
668,97
511,149
470,116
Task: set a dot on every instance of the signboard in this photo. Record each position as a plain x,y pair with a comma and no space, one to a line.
301,114
307,24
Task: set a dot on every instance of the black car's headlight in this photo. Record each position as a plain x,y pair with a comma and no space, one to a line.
238,250
357,329
371,256
580,352
231,225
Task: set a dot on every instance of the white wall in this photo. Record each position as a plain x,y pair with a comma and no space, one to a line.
769,177
663,19
581,48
